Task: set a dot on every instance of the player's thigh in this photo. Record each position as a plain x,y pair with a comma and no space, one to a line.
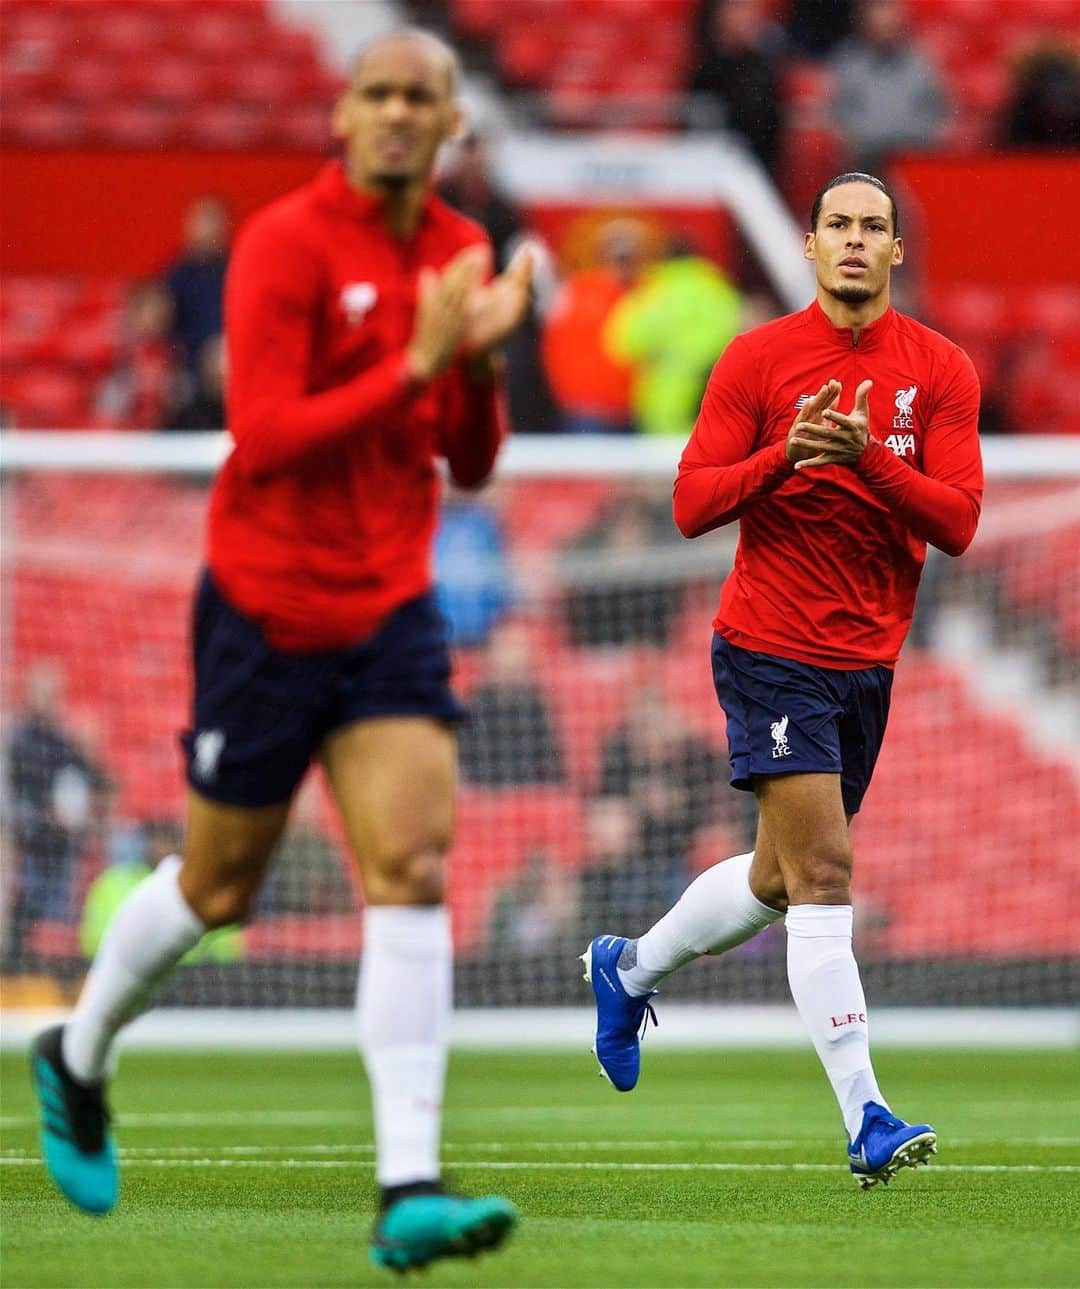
227,849
393,779
803,818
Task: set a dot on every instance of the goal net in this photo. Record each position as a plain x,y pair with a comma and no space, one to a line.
594,773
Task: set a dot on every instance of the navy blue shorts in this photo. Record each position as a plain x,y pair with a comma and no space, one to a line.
261,714
787,717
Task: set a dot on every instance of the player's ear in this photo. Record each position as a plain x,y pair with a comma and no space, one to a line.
455,123
808,247
898,250
341,116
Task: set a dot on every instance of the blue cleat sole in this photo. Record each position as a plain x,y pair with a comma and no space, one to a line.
912,1154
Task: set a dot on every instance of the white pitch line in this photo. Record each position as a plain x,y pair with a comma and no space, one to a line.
270,1150
574,1166
198,1118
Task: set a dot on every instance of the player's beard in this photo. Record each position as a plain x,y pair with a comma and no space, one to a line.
852,292
395,181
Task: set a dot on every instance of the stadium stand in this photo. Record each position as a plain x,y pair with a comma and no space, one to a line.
219,75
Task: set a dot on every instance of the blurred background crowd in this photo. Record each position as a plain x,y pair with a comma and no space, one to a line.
137,134
633,304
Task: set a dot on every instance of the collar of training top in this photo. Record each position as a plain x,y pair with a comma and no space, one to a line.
872,334
332,189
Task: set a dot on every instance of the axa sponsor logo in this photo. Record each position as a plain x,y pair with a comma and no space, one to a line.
902,444
848,1018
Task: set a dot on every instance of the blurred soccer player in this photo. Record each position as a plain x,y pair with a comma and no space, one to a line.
835,513
362,334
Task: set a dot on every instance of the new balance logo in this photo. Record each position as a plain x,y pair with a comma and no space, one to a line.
778,732
802,401
849,1018
902,444
208,748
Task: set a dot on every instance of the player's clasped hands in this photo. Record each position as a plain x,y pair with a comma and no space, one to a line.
458,312
823,436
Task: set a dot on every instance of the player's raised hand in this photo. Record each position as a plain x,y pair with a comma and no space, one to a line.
809,413
441,311
838,438
497,307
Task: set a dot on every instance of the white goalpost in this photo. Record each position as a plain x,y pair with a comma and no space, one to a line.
594,774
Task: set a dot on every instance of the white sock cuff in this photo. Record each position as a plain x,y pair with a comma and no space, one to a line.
408,928
818,921
186,919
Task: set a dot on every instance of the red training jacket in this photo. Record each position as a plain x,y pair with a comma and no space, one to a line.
829,559
321,520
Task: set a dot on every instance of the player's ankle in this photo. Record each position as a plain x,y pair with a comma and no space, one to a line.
391,1194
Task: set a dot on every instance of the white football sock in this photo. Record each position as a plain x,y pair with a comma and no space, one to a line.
825,984
404,998
149,934
717,911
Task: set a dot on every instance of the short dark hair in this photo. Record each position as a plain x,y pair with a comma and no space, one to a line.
854,177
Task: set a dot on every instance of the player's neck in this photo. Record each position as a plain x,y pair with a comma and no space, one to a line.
402,208
853,314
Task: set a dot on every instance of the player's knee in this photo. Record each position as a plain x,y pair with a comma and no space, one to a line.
220,900
412,876
822,877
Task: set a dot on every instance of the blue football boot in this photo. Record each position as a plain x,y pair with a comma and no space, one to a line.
76,1143
886,1144
420,1227
621,1018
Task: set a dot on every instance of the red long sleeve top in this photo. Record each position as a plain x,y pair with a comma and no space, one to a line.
829,559
321,520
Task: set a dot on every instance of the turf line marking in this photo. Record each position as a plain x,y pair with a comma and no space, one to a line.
573,1166
270,1150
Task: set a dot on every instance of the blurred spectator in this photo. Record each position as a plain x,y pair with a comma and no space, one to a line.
1045,109
134,856
196,281
669,775
57,796
470,187
658,786
619,588
535,912
205,409
887,95
144,387
671,328
815,27
591,388
739,72
510,738
472,571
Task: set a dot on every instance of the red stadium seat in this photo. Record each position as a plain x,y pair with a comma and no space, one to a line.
49,399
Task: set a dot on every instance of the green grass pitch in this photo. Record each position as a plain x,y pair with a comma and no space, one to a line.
723,1168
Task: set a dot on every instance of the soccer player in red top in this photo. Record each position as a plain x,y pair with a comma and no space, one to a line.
835,509
362,336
